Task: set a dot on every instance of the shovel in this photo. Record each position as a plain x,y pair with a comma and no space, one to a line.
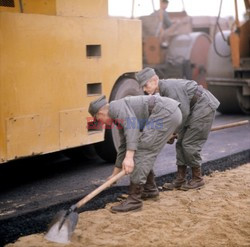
64,223
230,125
220,127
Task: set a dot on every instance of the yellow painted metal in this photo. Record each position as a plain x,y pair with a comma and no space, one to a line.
47,7
239,44
235,49
245,39
15,9
49,68
94,8
17,135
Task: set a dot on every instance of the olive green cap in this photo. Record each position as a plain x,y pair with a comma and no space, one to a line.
144,75
95,105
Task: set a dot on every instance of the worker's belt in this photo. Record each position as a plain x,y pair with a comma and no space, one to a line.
198,93
151,103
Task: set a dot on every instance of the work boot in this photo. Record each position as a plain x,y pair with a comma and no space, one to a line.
179,181
150,190
133,202
196,182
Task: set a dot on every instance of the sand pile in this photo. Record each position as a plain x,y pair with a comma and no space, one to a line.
217,215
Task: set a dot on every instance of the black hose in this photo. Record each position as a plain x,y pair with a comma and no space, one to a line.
222,34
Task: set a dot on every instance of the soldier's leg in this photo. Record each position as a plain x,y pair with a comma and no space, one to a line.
181,165
144,159
150,190
180,158
195,137
150,144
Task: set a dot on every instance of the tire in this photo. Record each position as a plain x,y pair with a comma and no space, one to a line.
244,102
227,96
107,149
83,153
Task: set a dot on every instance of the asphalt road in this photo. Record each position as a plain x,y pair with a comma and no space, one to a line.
49,180
35,185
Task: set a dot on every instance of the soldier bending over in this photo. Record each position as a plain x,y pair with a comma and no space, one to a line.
145,124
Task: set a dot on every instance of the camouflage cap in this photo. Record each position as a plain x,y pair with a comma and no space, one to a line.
144,75
95,105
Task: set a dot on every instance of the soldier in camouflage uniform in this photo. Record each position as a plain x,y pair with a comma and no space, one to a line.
198,107
145,123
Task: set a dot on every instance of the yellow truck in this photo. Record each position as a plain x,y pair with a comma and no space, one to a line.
56,56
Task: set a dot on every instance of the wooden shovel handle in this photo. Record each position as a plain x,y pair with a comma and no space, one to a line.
225,126
100,189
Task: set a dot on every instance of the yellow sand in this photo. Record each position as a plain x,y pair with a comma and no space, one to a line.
217,215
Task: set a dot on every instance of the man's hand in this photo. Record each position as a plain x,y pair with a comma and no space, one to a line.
128,163
172,138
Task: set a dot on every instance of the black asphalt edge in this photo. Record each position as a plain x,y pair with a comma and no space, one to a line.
37,221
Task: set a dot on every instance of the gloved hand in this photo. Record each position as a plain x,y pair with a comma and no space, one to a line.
172,138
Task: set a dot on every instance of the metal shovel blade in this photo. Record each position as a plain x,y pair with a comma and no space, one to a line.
62,227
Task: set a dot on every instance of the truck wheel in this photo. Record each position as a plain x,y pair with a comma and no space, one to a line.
83,153
227,95
107,149
244,101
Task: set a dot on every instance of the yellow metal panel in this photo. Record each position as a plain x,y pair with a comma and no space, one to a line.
15,9
245,39
18,136
72,128
47,7
235,49
90,8
129,45
45,70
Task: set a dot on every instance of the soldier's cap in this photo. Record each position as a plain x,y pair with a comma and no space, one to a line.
96,105
164,1
144,75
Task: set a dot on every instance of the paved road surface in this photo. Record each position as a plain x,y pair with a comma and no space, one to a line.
53,179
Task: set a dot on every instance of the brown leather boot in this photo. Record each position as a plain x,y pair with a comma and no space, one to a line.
133,202
196,182
150,190
179,181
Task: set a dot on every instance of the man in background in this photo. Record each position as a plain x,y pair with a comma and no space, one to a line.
164,21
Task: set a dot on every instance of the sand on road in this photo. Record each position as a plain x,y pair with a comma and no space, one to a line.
216,215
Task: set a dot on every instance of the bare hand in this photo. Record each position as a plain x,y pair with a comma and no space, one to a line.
172,138
128,165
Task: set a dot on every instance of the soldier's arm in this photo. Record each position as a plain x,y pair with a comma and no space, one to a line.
130,127
129,135
124,159
128,163
121,150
